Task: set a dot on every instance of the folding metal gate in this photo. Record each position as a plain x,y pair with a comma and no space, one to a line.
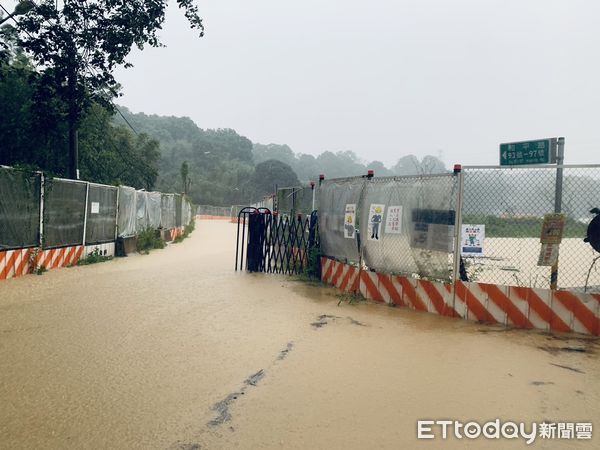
268,242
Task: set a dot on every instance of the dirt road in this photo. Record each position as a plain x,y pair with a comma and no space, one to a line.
175,350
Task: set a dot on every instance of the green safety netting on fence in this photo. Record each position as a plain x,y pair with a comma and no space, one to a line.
101,214
64,212
19,208
127,212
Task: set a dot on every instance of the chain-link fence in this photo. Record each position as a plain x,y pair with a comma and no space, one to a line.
209,210
339,202
296,200
19,209
167,211
64,212
400,225
126,220
408,225
507,207
78,212
101,214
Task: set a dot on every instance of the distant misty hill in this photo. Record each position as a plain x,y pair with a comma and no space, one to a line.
223,164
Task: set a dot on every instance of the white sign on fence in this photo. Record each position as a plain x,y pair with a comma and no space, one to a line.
95,209
375,219
350,221
473,237
393,223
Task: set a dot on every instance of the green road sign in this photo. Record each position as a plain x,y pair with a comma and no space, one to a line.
542,151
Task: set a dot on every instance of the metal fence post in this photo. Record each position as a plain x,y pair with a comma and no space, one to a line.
560,157
457,231
41,237
87,195
117,215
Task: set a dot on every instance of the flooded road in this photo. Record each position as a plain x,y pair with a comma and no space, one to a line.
174,350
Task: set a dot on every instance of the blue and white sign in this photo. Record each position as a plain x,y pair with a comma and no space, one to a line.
473,237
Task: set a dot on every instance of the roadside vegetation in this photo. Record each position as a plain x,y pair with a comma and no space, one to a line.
148,240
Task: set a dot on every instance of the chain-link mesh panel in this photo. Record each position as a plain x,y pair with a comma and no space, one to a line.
64,212
19,209
337,198
295,200
407,225
127,211
511,203
101,214
167,211
186,212
153,209
209,210
141,215
178,203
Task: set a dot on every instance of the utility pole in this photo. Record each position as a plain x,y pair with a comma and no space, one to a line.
73,116
560,158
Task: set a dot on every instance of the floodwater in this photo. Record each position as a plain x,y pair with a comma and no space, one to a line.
174,350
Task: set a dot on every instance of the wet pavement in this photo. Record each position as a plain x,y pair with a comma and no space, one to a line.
175,350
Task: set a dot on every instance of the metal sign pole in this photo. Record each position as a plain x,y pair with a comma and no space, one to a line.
458,225
85,217
560,156
42,195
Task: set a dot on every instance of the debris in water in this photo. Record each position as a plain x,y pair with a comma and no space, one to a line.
189,447
252,380
283,353
568,368
222,408
555,350
356,322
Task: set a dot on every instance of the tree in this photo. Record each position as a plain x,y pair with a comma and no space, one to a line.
76,49
271,173
185,170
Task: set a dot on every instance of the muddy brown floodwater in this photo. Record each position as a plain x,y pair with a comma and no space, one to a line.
175,350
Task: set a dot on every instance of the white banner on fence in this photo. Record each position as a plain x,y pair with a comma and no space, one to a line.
350,221
472,240
393,223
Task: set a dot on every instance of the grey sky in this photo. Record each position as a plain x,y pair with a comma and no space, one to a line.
382,78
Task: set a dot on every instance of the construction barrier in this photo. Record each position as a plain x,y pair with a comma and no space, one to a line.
519,307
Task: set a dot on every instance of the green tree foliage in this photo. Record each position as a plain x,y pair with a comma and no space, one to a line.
344,164
33,133
271,173
76,47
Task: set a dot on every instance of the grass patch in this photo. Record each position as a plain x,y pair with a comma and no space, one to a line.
94,257
350,298
522,227
149,239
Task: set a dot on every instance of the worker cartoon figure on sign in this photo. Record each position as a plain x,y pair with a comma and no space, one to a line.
375,219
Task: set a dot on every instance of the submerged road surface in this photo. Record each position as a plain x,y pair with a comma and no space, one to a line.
174,350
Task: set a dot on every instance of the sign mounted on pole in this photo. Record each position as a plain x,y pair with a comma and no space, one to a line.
541,151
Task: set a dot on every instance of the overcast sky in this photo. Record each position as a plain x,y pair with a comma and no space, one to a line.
382,78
